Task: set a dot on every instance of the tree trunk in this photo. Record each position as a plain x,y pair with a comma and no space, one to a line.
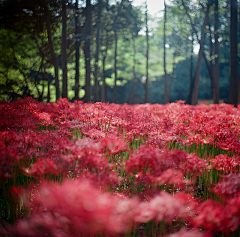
64,50
233,85
209,63
200,55
173,72
191,84
216,52
115,68
133,69
53,55
104,92
210,72
164,56
197,75
147,58
115,54
104,55
88,25
98,42
104,87
77,54
193,93
48,86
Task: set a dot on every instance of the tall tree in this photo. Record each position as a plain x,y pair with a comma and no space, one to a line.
53,54
134,67
98,44
147,56
77,52
191,69
233,85
64,50
116,51
193,94
216,52
88,26
106,42
200,55
164,55
135,22
209,63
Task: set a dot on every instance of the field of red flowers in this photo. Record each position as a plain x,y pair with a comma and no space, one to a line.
81,169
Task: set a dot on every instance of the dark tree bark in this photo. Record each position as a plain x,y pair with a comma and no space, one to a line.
210,72
200,55
77,53
216,52
115,68
195,85
147,58
173,73
197,75
115,53
164,56
64,50
133,69
104,88
88,25
98,41
53,54
104,56
211,48
233,85
41,53
191,84
209,63
48,86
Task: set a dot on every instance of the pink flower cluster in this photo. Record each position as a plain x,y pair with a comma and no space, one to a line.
76,169
77,208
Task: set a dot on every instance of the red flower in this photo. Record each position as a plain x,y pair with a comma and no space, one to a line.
188,233
76,208
225,163
165,207
41,167
229,186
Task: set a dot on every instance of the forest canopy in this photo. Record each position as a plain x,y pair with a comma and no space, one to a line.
113,51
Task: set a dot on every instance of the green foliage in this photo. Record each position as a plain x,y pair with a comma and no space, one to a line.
26,63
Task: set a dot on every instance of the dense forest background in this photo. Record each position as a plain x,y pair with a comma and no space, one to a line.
112,51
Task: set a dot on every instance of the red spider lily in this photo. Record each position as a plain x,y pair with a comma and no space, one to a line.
94,133
212,216
82,211
232,210
165,207
113,144
142,160
43,166
155,161
40,139
194,165
188,233
104,180
215,217
145,179
229,186
172,177
9,155
148,183
226,163
87,153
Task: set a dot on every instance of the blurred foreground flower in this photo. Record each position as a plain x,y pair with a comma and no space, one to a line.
185,233
75,208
